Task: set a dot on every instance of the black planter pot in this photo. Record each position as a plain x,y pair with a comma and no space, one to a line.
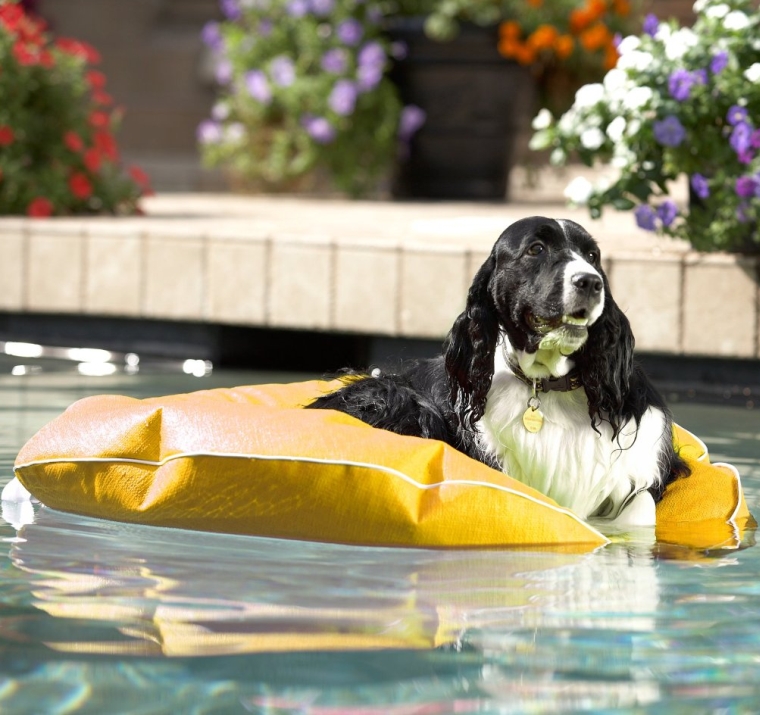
474,100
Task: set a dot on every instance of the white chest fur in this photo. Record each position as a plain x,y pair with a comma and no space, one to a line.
567,460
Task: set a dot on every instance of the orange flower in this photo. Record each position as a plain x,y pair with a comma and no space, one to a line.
509,30
543,38
596,9
564,46
595,37
509,48
622,7
526,55
535,3
579,20
611,57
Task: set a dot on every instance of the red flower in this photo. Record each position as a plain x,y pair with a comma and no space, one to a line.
106,145
73,141
6,135
99,120
24,56
79,49
47,60
92,160
39,207
10,16
139,176
80,186
102,97
96,79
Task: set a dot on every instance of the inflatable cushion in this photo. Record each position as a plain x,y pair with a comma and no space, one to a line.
248,460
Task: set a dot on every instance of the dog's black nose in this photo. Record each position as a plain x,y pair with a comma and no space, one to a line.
587,283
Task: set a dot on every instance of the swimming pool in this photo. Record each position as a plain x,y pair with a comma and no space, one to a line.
100,617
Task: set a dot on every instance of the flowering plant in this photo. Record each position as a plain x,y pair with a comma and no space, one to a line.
681,103
303,85
57,151
574,36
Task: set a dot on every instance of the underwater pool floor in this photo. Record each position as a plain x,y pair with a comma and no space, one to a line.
101,617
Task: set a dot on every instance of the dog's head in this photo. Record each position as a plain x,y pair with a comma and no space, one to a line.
544,291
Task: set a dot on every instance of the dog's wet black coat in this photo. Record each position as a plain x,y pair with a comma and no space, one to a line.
443,398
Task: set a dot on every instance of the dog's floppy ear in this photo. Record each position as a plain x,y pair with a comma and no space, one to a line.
470,346
606,366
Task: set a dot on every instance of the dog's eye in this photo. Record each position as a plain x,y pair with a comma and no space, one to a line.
592,257
536,249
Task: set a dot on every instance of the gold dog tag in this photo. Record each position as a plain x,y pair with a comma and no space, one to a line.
533,419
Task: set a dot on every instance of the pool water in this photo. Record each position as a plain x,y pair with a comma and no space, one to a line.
100,617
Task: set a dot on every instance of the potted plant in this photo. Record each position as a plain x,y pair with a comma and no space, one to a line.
477,70
682,102
58,155
303,86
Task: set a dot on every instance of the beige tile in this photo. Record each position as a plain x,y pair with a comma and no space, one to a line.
12,267
236,288
112,271
55,268
433,291
366,290
719,307
174,277
300,275
649,293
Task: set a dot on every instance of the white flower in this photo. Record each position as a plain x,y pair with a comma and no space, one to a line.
558,157
234,132
717,11
568,121
700,5
542,120
752,73
663,33
638,97
628,44
735,20
635,60
616,129
579,190
679,43
633,127
592,138
589,95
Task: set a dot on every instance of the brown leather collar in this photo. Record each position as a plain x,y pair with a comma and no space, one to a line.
566,383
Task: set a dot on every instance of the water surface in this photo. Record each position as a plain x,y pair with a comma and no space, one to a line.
100,617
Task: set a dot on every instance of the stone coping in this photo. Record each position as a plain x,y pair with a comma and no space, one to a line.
385,268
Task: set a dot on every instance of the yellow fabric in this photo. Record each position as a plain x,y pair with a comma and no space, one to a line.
248,460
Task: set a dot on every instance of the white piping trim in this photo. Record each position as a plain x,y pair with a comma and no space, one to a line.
314,460
738,484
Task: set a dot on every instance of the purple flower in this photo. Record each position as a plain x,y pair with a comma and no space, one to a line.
646,218
719,62
741,138
212,37
410,121
335,61
651,24
297,8
700,76
319,129
258,87
223,71
231,9
265,27
669,131
350,32
754,140
399,50
745,186
700,186
342,99
680,83
283,71
667,212
322,7
371,54
209,132
368,77
742,212
736,115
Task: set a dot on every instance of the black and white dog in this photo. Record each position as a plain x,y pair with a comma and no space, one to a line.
537,379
